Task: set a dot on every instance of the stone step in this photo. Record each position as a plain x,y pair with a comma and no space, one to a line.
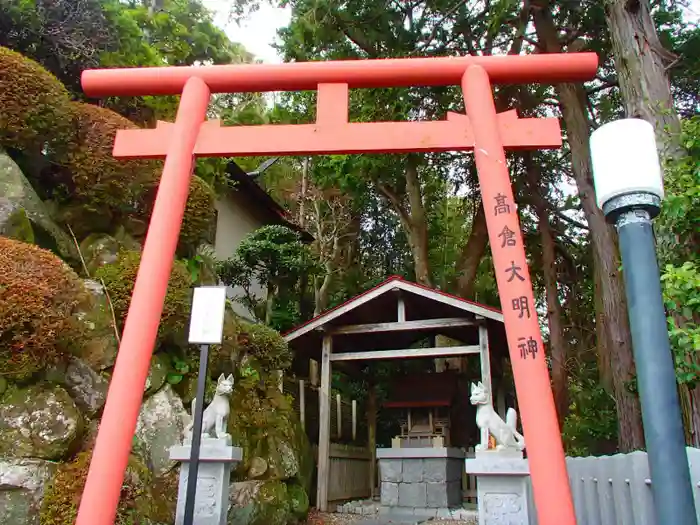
390,520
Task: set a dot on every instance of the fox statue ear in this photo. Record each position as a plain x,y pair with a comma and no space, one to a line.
481,385
230,377
473,387
221,378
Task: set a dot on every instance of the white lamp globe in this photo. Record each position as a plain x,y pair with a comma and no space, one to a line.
625,160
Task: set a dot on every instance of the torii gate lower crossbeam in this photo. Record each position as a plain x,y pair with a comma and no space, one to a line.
481,129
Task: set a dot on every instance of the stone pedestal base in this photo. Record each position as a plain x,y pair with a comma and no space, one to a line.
420,478
216,457
502,488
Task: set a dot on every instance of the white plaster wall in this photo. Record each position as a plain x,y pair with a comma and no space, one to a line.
234,221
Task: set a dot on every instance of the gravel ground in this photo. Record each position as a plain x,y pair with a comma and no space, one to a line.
318,518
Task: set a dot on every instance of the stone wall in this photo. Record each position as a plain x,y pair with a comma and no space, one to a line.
417,481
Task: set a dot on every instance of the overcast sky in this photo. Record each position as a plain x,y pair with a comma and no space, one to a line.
257,33
260,30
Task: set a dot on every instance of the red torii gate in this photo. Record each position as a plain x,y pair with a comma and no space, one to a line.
481,129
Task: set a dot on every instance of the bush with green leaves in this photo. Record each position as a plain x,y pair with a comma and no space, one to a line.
679,250
273,257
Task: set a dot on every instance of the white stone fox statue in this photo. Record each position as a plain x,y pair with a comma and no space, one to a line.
215,417
489,422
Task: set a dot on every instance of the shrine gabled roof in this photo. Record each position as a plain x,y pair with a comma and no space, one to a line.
394,283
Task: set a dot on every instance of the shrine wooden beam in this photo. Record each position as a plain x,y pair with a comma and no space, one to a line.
422,324
406,353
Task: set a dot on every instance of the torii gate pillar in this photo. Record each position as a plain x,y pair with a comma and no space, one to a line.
481,129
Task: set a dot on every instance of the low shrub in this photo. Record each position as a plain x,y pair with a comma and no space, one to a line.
38,295
35,107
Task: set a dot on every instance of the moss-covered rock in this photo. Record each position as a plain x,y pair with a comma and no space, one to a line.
18,226
119,278
40,421
260,503
38,295
263,421
23,215
138,502
22,484
99,249
298,500
157,373
86,387
160,426
93,335
35,107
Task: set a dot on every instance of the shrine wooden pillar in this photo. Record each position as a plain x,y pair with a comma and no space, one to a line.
324,425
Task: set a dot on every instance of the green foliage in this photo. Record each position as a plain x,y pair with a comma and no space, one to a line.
679,249
38,295
35,109
65,36
591,426
198,221
681,287
103,192
119,278
273,257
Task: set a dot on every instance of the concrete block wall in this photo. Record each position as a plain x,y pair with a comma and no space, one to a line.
614,490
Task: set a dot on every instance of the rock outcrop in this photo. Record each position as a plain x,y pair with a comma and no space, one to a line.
160,426
22,486
39,422
23,215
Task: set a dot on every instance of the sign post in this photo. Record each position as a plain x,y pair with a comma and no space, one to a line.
206,328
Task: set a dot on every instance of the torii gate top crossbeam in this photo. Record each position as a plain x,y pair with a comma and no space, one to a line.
379,73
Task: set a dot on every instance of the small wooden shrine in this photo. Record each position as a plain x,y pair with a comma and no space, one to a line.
425,401
390,321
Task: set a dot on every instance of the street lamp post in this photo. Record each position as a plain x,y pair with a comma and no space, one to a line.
629,188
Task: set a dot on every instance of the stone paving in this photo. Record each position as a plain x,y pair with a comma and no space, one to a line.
378,514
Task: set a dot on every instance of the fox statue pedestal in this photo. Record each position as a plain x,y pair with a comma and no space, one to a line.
216,457
502,487
501,473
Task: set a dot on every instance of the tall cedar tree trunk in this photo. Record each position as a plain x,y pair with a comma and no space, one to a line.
471,255
557,344
641,63
617,343
413,219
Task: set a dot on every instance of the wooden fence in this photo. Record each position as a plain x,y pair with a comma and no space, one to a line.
349,473
347,422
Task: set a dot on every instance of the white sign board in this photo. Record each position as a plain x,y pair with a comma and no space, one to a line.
207,319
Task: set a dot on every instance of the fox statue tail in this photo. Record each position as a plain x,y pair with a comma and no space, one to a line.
512,423
512,419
